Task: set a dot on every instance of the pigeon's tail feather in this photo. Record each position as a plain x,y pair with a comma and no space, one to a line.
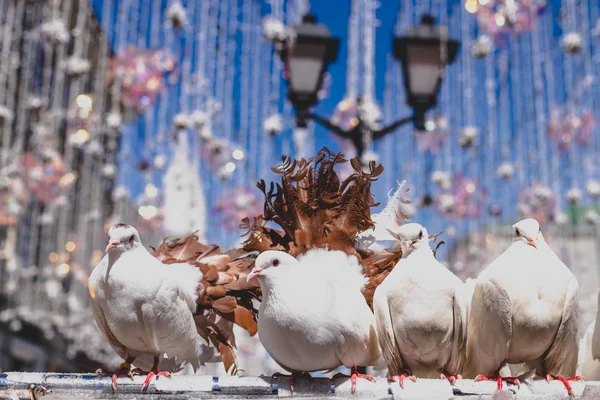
222,296
385,248
392,214
379,240
314,209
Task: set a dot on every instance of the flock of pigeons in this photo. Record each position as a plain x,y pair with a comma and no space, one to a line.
338,287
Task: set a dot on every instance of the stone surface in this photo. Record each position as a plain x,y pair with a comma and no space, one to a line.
14,385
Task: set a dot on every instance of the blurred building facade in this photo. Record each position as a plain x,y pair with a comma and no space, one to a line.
59,131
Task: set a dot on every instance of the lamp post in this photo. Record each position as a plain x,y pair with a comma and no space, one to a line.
423,52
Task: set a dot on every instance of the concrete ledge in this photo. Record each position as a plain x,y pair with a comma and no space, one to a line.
14,385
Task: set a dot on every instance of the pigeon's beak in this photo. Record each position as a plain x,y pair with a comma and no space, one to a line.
255,273
111,245
409,243
532,242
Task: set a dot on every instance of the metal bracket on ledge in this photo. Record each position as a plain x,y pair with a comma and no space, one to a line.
215,386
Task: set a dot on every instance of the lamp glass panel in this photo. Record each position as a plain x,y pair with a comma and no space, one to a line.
424,69
306,65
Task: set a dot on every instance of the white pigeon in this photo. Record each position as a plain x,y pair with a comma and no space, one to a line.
420,309
313,316
144,307
524,309
589,349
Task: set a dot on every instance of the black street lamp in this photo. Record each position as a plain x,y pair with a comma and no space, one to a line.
424,52
306,58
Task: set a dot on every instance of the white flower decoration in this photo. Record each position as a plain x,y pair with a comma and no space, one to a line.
468,136
274,29
177,15
506,170
574,196
572,42
273,124
593,188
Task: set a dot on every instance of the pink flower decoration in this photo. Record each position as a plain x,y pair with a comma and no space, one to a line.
537,201
432,140
142,75
564,128
464,199
236,204
503,18
44,174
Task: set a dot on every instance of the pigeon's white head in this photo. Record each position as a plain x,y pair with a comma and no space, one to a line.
122,237
412,237
270,264
528,231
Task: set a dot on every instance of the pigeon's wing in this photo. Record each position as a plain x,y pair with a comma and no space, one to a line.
561,358
224,287
169,323
459,335
223,297
596,335
96,292
489,328
378,269
385,332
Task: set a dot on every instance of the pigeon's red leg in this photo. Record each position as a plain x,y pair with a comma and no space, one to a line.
565,381
499,379
123,370
354,375
401,376
451,378
154,372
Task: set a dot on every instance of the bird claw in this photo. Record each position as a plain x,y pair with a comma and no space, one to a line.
565,381
123,370
400,378
355,375
151,374
451,378
499,379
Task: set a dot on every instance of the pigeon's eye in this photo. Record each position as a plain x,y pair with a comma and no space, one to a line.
131,238
275,262
421,235
517,232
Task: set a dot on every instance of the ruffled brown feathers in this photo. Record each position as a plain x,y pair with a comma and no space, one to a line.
314,209
224,295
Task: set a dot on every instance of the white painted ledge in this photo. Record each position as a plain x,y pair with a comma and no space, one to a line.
13,385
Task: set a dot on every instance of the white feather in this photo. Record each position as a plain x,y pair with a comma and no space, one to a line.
379,239
335,266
